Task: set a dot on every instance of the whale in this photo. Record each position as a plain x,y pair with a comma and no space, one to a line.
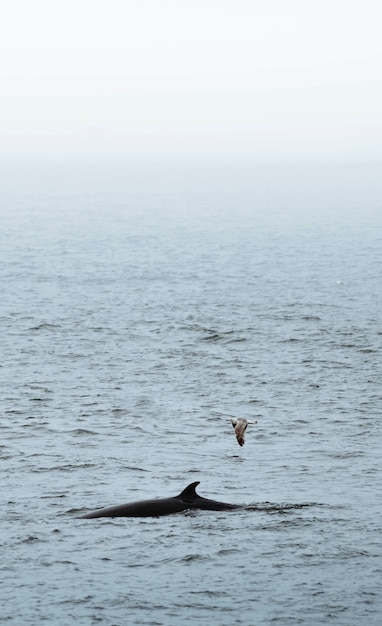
188,499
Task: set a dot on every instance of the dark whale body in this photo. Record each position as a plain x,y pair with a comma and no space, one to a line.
186,500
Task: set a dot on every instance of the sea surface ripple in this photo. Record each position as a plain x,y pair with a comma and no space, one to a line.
140,309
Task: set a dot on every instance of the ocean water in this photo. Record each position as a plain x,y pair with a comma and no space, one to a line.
141,306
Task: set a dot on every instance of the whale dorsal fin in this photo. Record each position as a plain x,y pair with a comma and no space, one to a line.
189,493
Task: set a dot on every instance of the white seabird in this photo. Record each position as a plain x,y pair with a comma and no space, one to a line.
240,425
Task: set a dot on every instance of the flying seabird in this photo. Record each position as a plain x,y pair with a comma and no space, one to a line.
240,425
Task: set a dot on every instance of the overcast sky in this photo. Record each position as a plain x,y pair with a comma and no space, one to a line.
260,78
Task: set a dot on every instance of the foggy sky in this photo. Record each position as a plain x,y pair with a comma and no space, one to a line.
275,79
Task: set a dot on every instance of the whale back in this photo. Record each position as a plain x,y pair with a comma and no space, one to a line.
187,499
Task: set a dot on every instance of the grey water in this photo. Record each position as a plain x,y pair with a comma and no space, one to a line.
142,305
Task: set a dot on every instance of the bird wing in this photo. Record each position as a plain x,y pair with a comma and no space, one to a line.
240,428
